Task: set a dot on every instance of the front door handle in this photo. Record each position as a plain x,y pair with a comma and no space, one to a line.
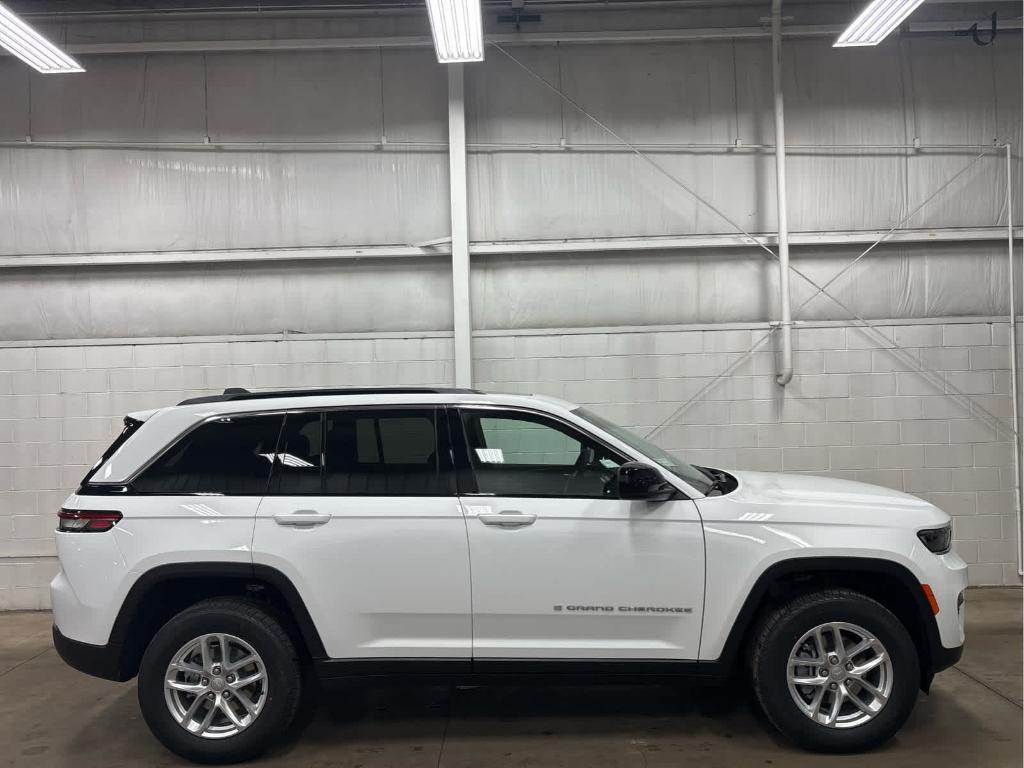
510,518
305,518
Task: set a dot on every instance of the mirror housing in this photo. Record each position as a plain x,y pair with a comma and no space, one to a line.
639,481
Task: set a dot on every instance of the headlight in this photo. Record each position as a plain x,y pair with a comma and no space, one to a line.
938,540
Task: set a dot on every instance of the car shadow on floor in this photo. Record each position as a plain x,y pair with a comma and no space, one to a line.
415,725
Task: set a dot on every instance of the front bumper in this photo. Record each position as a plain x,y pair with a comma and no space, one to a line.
97,660
944,658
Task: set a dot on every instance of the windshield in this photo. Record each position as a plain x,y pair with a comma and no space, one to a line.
687,472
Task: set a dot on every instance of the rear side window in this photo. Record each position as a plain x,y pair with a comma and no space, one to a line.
131,426
226,457
386,452
297,464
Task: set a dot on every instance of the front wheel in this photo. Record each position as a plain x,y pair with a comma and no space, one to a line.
835,671
220,682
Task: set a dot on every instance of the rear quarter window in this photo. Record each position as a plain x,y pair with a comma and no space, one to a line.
131,426
230,456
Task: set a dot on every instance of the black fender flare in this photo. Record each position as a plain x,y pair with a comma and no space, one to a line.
933,653
255,574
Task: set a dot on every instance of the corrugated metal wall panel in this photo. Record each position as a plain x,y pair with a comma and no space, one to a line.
734,285
99,200
394,295
123,98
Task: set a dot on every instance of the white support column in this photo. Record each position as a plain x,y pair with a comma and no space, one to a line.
785,374
1014,381
462,319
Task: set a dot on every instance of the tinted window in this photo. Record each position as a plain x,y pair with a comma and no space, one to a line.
383,453
297,462
131,426
230,457
528,455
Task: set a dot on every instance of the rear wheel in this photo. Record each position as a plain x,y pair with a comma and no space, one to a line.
835,671
220,682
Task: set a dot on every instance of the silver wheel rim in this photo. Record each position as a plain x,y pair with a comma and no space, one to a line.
840,675
215,686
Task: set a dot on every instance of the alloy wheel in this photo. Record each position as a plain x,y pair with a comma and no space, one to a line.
840,675
215,686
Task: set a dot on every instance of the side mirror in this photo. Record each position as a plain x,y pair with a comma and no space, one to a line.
638,481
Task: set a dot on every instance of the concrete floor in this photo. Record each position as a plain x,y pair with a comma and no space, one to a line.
51,715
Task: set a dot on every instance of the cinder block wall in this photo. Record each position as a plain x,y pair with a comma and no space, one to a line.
853,409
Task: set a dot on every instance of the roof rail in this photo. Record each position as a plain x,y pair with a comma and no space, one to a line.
237,393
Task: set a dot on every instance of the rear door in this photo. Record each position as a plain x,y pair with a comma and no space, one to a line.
197,500
563,568
361,514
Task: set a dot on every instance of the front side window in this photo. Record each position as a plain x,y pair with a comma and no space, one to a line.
384,452
230,456
520,454
691,474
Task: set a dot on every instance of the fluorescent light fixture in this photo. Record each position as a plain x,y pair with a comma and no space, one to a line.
35,50
458,30
876,22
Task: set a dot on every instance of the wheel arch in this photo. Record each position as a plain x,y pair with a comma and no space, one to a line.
888,582
160,593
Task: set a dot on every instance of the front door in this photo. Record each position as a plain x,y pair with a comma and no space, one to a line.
561,567
361,515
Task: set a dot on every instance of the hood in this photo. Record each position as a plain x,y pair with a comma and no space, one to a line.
806,499
784,489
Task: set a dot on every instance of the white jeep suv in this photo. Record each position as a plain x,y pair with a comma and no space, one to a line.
225,548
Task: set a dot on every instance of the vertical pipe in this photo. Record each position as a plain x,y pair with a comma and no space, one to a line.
461,318
1014,383
786,320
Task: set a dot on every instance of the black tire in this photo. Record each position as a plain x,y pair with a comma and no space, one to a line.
784,627
246,621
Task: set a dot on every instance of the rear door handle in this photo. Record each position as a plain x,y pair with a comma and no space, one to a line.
510,518
305,518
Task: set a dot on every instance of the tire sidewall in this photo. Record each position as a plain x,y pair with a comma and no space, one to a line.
773,685
283,674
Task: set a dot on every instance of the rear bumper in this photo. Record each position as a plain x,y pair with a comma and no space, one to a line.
96,660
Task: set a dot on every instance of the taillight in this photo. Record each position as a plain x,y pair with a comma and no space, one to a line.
86,521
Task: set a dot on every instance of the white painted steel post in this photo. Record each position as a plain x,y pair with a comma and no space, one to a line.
461,317
785,313
1014,380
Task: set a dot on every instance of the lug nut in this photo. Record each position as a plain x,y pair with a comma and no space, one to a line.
216,670
823,672
833,659
206,681
849,666
833,686
231,678
211,695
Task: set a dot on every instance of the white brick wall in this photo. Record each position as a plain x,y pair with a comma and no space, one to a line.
60,406
852,410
